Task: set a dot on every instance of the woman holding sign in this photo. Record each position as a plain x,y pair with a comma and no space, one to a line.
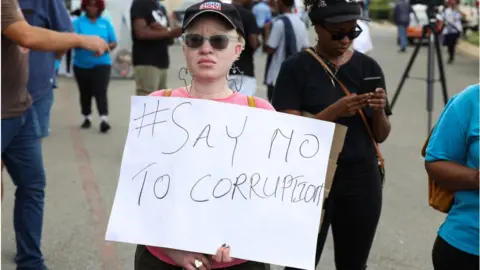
331,82
213,38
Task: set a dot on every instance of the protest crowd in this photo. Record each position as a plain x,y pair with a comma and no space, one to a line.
323,80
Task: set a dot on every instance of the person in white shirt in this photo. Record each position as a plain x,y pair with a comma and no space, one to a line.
453,28
280,40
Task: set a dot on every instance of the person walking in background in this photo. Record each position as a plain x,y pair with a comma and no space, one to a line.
21,141
92,72
263,15
287,37
151,35
363,43
401,18
365,5
50,14
453,28
451,162
242,73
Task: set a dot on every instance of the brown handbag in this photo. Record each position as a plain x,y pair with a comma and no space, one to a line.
439,198
381,161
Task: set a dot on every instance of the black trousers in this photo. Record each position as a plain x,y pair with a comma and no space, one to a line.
447,257
69,60
93,83
144,260
352,209
451,40
270,89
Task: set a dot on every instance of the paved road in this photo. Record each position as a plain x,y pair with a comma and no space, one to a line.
83,167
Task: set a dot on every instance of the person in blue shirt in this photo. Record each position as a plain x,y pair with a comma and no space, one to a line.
92,72
51,15
263,14
452,162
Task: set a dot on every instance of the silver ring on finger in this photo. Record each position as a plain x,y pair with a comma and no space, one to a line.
198,264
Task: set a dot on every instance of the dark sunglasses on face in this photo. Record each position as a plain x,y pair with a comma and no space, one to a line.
195,41
352,34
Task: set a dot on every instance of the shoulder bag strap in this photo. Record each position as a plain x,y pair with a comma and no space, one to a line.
251,101
167,93
362,114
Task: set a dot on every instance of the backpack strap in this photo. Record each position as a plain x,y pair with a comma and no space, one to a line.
167,93
425,145
251,101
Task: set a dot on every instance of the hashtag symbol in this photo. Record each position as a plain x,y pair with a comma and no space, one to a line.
144,124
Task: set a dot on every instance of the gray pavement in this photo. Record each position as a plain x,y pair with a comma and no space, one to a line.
83,167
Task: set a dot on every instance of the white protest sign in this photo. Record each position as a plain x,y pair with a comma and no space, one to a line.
197,174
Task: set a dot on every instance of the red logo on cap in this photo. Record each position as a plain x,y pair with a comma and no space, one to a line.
211,5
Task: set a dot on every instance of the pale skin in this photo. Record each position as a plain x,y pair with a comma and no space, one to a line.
209,82
338,53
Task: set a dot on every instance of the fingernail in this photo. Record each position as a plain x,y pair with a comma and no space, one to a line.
224,245
228,246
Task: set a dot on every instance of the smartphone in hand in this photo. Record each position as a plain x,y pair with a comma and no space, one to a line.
369,84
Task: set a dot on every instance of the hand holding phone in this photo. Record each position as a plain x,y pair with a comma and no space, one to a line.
378,100
370,84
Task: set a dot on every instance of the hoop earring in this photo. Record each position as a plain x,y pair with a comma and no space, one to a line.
234,69
182,75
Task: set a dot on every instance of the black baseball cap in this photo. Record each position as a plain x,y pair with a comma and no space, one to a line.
228,11
336,11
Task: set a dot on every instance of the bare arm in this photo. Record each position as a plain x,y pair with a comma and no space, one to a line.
266,29
41,39
253,41
381,126
112,45
326,115
452,175
60,54
143,31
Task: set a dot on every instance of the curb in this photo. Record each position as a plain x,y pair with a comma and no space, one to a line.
381,24
466,48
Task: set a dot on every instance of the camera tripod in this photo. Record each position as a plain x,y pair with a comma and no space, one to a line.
433,46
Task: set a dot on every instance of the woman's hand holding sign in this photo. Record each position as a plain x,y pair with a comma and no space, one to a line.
193,260
188,260
223,254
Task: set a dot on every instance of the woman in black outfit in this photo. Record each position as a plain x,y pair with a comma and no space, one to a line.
354,204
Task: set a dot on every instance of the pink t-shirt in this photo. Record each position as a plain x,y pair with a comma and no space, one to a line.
235,98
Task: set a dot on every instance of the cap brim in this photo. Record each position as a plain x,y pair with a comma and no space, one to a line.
345,18
208,11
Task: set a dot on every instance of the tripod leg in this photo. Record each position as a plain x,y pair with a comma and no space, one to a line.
430,76
409,66
441,68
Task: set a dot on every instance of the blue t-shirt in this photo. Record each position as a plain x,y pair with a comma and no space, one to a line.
101,27
49,14
262,13
455,138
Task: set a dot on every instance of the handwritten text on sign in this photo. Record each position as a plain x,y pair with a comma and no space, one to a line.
196,174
